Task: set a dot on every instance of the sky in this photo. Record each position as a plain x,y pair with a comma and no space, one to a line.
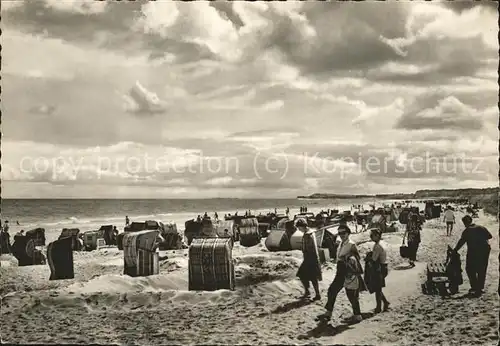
246,99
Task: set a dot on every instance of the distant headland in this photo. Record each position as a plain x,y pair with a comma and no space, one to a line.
486,197
448,193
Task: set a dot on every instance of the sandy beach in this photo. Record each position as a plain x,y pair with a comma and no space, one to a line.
129,114
102,306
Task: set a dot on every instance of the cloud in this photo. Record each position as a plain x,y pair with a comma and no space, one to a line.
78,6
461,6
142,101
430,111
242,85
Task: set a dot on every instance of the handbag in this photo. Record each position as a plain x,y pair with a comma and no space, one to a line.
403,250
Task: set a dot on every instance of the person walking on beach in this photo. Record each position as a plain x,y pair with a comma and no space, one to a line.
378,264
348,276
412,235
449,219
127,221
216,216
310,270
478,252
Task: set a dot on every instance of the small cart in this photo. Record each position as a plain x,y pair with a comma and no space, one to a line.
444,279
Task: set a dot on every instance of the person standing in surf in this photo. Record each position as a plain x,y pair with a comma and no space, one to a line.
310,270
348,276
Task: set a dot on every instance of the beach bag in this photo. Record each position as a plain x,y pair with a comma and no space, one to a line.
249,232
404,250
211,265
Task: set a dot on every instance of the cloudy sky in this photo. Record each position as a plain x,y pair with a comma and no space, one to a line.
239,99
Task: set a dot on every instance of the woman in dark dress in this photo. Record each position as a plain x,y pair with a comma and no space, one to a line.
310,270
412,236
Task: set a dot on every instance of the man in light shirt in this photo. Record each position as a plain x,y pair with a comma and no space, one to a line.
449,218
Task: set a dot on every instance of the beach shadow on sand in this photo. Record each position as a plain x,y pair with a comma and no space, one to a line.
328,329
324,329
284,308
463,296
403,267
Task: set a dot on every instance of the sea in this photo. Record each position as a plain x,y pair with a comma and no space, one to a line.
90,214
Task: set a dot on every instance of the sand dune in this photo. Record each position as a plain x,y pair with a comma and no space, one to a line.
102,306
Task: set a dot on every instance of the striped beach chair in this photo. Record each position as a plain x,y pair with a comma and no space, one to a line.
211,265
140,257
249,232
